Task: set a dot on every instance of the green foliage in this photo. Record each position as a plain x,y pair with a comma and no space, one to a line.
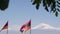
37,2
56,14
53,4
4,4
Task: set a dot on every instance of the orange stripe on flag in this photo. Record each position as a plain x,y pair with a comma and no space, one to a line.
26,29
5,26
26,26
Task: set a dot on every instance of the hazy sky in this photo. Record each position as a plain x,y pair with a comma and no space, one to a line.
20,11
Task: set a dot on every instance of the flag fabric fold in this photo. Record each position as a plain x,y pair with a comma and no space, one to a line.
5,27
25,27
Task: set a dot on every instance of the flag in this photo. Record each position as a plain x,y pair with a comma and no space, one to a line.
5,27
26,26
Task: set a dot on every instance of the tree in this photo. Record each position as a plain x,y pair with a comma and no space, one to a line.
53,4
4,4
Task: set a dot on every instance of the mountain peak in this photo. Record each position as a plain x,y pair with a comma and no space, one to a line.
45,26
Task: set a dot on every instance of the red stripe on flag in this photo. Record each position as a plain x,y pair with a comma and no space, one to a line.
26,26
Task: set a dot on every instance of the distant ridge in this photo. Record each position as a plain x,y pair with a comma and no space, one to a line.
44,26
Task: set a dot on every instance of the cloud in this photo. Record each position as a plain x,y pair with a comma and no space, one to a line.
46,27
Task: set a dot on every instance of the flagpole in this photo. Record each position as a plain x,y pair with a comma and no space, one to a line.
30,29
0,30
7,31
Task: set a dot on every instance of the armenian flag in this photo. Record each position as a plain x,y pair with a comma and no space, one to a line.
5,27
26,26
